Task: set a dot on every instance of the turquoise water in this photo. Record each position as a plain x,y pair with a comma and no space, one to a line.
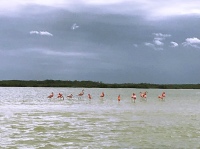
28,119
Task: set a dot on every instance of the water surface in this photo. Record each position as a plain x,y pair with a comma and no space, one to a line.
28,119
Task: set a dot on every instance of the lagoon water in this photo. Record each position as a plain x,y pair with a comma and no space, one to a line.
28,119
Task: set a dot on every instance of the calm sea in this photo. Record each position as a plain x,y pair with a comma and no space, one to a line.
28,119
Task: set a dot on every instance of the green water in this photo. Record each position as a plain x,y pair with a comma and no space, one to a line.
30,120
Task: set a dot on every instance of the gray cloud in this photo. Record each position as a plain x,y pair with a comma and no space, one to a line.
151,10
109,46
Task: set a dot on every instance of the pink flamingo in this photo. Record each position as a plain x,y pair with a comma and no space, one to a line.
81,93
102,94
143,95
70,96
51,95
89,96
162,96
60,96
133,97
119,98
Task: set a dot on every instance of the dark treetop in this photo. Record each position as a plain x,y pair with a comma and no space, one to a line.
91,84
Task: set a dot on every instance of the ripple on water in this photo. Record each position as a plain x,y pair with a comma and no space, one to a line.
29,120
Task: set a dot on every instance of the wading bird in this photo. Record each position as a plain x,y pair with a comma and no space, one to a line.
133,97
51,95
102,94
70,96
162,96
60,96
81,93
89,96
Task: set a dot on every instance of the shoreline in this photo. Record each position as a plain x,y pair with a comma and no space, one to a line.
92,84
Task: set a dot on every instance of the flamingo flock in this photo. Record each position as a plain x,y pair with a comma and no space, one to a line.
143,96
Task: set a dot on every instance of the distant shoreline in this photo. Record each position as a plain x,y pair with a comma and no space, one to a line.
91,84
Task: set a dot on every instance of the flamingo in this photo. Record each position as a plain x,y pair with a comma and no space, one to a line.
102,94
51,95
162,96
70,96
60,96
133,96
143,95
81,93
89,96
119,98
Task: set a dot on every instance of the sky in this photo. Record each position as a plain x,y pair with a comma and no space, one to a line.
115,41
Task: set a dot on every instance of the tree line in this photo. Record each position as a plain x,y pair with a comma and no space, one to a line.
91,84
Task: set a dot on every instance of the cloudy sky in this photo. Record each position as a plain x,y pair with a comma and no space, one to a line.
115,41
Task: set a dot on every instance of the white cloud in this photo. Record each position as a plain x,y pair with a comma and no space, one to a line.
193,42
152,46
158,42
74,26
34,32
43,33
161,36
149,44
174,44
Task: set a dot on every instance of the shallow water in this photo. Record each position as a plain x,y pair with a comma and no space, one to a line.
28,119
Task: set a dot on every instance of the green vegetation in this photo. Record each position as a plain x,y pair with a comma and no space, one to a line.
91,84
